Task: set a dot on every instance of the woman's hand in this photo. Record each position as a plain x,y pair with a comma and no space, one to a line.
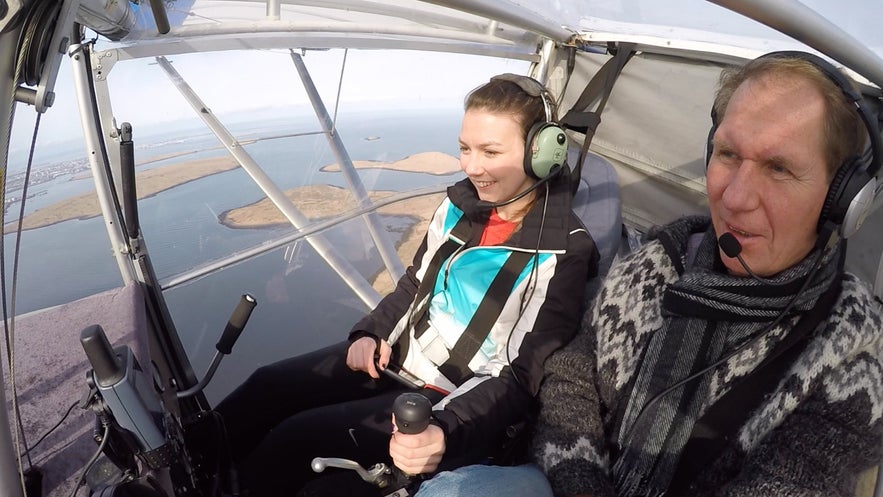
360,355
418,453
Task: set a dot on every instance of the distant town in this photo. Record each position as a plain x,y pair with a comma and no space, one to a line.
40,174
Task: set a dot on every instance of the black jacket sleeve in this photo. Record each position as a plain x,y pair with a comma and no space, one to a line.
381,320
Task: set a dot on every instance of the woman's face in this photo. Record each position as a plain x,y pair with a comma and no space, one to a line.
492,156
767,178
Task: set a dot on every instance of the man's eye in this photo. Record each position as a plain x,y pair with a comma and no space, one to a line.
726,154
779,169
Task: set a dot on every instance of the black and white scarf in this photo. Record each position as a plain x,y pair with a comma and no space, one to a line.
708,314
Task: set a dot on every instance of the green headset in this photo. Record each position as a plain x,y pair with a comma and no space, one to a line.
545,147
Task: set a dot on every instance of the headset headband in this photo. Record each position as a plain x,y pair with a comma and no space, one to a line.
853,95
530,86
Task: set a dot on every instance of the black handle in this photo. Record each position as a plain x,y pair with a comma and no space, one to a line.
158,7
127,174
107,367
412,411
236,324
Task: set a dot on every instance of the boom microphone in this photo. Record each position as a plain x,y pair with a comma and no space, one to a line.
493,205
732,248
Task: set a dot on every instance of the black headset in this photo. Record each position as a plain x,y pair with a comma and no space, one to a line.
545,148
851,192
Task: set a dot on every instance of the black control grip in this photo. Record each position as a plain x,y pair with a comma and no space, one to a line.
107,367
236,324
412,411
160,16
127,175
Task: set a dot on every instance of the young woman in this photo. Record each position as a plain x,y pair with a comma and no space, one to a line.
496,286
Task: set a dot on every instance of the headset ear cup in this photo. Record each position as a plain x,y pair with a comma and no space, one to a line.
835,190
859,207
849,198
545,149
709,144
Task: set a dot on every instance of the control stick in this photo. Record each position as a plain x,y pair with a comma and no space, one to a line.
412,412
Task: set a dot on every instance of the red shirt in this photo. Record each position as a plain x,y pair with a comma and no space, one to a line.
497,230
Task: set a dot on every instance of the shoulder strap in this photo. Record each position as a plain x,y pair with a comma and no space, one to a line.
458,237
579,118
456,368
720,423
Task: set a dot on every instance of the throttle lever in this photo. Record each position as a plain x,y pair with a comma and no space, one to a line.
225,345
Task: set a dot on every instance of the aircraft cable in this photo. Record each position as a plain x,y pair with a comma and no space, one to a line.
10,331
82,479
50,430
339,86
8,322
532,281
9,315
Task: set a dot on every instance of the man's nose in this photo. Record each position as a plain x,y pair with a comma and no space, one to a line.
742,193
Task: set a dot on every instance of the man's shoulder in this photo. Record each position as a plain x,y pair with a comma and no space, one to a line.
857,313
857,294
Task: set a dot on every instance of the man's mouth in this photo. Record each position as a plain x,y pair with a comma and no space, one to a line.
739,232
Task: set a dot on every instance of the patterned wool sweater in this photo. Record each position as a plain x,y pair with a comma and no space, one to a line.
813,435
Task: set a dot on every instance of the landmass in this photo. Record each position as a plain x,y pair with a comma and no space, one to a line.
156,180
437,163
148,183
322,201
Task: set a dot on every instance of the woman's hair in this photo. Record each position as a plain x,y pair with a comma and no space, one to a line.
845,133
505,97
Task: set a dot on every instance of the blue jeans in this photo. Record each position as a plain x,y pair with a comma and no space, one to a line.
488,481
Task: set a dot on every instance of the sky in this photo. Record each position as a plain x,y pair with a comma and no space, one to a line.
236,82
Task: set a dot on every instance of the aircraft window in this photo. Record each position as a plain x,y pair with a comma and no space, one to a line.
393,133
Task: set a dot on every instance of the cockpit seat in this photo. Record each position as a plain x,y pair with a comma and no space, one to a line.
597,203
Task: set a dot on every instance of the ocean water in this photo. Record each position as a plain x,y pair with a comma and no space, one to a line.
302,303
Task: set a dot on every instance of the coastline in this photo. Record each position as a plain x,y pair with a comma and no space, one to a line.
154,181
436,163
149,183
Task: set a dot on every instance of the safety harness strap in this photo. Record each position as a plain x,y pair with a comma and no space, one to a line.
457,238
456,368
579,118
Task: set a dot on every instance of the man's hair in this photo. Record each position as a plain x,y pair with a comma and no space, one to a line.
845,133
506,97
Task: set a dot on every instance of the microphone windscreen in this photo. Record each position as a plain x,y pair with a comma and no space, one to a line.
728,243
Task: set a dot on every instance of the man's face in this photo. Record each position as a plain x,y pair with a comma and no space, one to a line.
767,178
